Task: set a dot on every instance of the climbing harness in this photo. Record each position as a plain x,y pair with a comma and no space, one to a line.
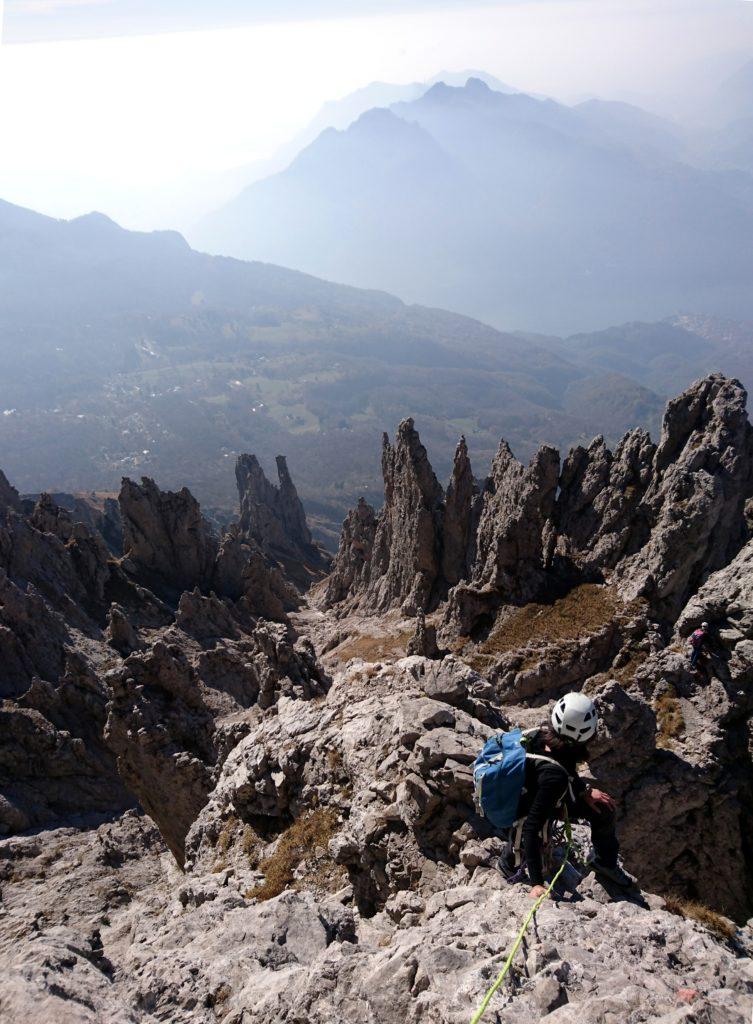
516,945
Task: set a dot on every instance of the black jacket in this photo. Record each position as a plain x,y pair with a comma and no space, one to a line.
546,786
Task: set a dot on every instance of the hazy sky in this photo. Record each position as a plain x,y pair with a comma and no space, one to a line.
106,101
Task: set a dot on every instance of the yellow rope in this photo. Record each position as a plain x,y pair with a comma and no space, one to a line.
516,946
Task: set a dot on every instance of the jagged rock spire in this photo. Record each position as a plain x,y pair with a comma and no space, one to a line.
351,568
9,498
659,519
165,537
393,560
274,517
405,565
460,522
702,475
599,493
513,540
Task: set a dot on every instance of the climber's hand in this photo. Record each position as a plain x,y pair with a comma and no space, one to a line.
536,891
600,801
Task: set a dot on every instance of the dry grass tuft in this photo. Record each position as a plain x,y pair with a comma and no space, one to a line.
294,845
225,840
251,843
626,671
375,648
585,610
669,717
720,926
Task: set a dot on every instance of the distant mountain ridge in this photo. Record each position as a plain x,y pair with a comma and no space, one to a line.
126,353
587,206
339,114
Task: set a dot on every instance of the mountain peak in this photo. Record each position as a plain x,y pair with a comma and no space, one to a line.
476,85
95,223
473,90
377,117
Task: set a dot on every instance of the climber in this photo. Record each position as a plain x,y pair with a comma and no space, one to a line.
697,640
553,753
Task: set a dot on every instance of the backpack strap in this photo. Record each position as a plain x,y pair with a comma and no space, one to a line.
569,788
515,838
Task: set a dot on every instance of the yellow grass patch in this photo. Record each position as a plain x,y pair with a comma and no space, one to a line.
375,648
585,610
669,718
295,845
722,927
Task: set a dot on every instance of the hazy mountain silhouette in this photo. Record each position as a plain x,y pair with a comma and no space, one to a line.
129,353
519,211
213,190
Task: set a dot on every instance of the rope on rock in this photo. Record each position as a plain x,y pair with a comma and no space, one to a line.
516,945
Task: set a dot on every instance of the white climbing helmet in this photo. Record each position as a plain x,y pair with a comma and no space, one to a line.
704,625
574,717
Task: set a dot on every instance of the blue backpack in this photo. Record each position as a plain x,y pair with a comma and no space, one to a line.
498,775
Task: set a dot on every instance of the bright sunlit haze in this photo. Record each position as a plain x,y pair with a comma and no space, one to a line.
152,128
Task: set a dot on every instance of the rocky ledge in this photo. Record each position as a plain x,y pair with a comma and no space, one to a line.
221,798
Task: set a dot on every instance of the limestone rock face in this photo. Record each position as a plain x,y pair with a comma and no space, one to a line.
461,513
424,640
656,519
33,638
397,759
351,569
726,601
165,537
47,517
514,538
597,509
274,518
694,786
123,938
173,712
242,574
170,548
393,560
517,510
61,630
53,762
100,514
9,498
405,558
702,477
121,633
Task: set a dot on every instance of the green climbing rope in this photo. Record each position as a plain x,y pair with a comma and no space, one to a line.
516,945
